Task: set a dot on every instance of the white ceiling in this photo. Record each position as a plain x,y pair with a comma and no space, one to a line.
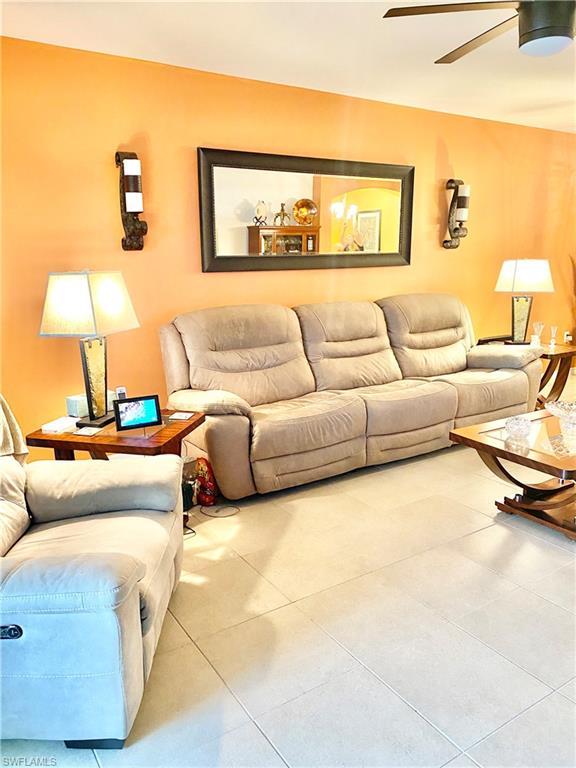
341,47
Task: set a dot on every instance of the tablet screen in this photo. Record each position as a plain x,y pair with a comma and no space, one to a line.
133,412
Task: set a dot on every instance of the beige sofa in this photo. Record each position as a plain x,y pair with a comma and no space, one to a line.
91,552
295,395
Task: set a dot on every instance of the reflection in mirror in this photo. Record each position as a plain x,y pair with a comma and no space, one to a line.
255,213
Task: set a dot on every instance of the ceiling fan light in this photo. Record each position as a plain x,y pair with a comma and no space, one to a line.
546,27
545,46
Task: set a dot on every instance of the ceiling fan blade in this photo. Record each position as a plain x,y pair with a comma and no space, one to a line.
485,37
417,10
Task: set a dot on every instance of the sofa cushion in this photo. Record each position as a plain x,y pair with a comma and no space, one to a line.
407,405
254,351
347,344
314,421
483,391
430,333
14,518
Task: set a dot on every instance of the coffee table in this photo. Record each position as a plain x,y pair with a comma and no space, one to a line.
551,503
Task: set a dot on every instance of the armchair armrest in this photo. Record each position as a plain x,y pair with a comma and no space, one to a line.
502,356
61,489
214,402
67,583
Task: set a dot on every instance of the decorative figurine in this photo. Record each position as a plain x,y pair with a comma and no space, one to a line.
261,211
304,211
282,218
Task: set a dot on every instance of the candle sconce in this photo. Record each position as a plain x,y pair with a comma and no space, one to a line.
458,213
131,202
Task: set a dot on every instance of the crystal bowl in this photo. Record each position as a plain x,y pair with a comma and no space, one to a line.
562,409
517,427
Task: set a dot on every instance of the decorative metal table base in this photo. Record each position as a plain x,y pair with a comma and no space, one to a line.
551,503
562,367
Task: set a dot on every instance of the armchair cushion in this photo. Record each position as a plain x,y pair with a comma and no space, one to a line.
85,582
214,402
502,356
60,489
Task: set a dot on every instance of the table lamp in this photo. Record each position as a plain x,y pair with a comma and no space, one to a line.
521,277
89,305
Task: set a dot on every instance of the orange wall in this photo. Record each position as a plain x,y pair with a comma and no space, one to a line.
66,112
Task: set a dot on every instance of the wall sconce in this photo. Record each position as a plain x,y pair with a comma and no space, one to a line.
131,203
458,213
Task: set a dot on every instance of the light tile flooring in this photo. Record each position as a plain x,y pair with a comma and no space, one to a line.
390,617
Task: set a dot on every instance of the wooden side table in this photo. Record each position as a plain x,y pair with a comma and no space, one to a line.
559,362
150,441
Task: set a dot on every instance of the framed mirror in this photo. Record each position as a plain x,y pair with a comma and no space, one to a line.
266,212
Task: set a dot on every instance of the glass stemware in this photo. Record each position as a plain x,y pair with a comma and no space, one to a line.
553,332
537,337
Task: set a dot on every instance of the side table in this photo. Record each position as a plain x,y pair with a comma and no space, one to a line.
559,358
150,441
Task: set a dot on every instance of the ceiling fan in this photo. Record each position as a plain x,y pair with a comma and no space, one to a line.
545,26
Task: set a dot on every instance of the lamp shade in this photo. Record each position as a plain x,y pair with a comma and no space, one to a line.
86,304
525,276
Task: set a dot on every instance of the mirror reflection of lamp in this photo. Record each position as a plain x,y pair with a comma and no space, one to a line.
337,209
350,238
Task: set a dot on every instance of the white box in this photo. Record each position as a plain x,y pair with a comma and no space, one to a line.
77,405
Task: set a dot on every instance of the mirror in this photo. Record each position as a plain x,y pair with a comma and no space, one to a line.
264,212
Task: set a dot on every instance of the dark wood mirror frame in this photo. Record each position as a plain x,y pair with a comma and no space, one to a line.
210,158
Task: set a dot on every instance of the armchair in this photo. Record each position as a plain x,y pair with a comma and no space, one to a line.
85,580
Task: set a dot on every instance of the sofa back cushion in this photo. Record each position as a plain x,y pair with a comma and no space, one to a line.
14,519
255,351
430,333
347,344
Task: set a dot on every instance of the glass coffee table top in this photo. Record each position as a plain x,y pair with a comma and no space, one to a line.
549,447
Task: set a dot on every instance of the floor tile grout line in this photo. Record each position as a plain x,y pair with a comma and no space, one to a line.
509,523
424,717
373,570
511,720
499,653
292,601
472,759
451,621
547,599
266,579
381,680
456,626
233,694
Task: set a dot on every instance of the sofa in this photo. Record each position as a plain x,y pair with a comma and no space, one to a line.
90,554
296,395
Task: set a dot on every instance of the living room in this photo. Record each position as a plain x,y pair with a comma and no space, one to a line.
354,596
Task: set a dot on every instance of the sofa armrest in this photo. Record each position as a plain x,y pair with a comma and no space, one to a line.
213,402
67,583
56,490
502,356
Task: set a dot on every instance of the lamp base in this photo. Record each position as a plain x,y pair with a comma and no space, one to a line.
521,306
96,423
94,367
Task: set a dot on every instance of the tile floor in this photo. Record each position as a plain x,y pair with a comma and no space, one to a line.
390,617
